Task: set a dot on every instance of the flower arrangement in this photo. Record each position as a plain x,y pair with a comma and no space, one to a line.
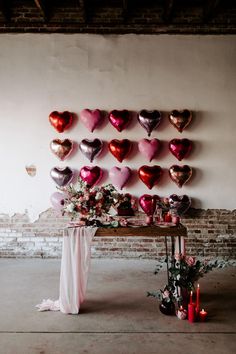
88,202
184,272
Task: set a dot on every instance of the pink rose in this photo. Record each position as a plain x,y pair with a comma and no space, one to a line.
166,294
190,261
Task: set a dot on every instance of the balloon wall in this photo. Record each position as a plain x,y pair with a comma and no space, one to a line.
171,92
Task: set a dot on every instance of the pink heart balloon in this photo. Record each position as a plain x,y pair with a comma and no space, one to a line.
57,200
119,176
148,203
91,174
91,119
149,148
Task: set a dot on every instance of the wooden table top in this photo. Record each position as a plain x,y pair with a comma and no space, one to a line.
150,231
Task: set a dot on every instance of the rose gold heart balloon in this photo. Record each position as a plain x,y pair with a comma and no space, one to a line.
61,120
180,119
179,203
61,148
150,175
180,174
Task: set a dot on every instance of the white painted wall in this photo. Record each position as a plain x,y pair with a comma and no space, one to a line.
42,73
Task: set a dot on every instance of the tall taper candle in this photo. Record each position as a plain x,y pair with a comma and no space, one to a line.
198,299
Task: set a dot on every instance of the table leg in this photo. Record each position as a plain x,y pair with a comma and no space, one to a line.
167,260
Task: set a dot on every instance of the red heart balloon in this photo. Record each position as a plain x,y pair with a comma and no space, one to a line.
180,174
148,203
180,119
120,148
150,175
91,174
119,119
61,120
180,148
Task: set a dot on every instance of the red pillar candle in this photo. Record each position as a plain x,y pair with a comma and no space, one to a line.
191,312
202,315
198,299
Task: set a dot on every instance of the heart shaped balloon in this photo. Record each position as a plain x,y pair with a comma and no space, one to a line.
119,176
61,120
180,148
180,119
150,175
180,174
179,203
149,120
149,148
91,148
91,174
61,148
62,176
120,148
57,200
148,203
91,119
119,119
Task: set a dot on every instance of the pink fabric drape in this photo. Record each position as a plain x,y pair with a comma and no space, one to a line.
75,264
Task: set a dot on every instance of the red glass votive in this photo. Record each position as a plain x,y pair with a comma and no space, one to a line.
202,315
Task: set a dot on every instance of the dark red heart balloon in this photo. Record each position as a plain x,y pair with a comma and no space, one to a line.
120,148
180,174
180,148
148,203
91,174
180,119
150,175
61,120
119,119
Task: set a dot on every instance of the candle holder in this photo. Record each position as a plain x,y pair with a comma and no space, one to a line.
149,219
202,315
191,312
181,313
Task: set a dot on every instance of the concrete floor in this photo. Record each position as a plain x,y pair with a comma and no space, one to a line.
116,317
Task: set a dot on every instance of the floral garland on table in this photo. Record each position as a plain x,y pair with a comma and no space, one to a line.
91,205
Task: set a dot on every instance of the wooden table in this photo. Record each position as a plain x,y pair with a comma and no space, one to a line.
179,232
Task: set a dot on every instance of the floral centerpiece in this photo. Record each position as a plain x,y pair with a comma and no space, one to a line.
184,272
89,203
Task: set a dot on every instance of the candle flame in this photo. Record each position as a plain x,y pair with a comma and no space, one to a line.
191,292
198,286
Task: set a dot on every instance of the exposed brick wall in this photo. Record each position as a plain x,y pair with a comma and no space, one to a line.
211,233
107,16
